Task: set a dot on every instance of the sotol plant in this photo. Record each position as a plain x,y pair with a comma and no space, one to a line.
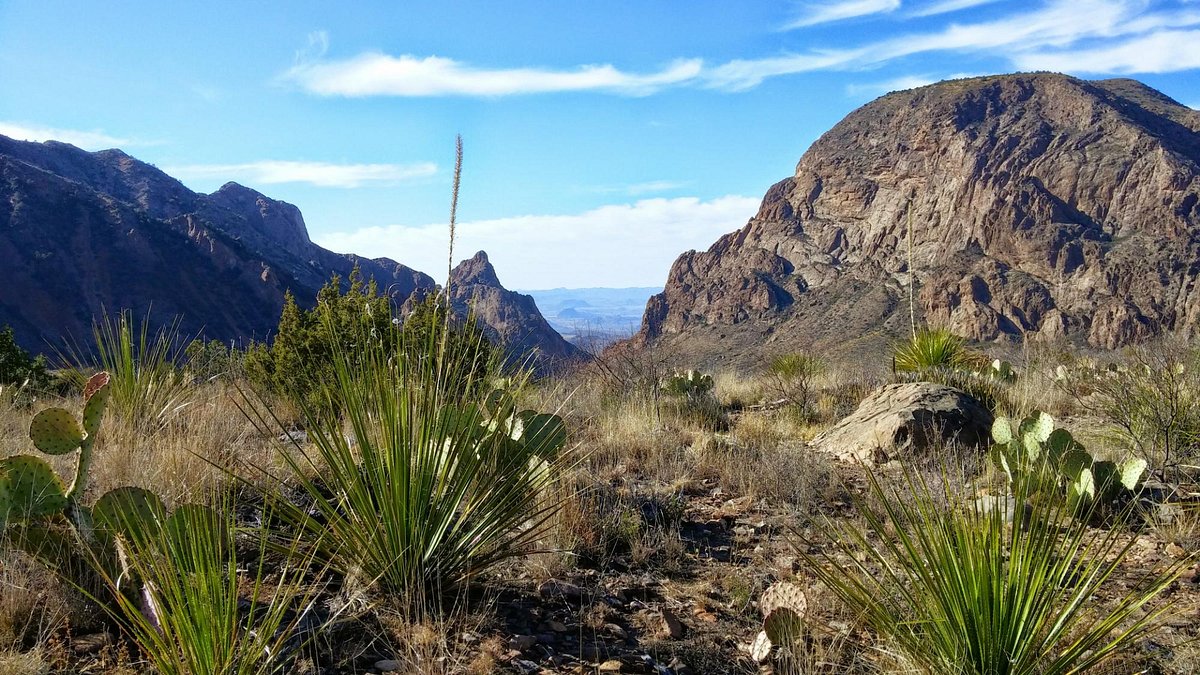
1043,462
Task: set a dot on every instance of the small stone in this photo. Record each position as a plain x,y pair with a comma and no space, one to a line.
616,631
522,642
469,638
610,666
387,666
526,667
671,625
1175,550
557,590
556,626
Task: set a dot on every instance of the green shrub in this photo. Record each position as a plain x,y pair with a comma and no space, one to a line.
20,375
937,355
793,377
300,362
970,587
213,359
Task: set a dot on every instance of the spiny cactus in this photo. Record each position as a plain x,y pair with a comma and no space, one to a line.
43,516
783,606
1002,371
1044,462
691,383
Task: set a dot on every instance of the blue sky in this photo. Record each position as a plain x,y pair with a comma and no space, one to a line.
602,139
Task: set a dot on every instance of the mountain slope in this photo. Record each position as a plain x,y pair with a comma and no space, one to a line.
1040,205
81,232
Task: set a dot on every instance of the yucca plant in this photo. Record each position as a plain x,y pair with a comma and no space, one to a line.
423,482
974,588
148,385
192,603
932,348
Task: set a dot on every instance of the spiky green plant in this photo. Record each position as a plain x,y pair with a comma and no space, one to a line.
193,604
970,587
148,385
418,487
930,349
794,377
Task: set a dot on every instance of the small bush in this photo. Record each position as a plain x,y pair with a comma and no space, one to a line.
794,378
21,376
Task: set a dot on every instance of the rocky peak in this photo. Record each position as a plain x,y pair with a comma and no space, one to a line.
260,220
509,319
476,270
1040,205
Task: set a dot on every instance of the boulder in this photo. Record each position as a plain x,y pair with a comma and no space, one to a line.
901,420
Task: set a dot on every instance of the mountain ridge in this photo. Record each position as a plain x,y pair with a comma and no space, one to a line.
81,232
1041,205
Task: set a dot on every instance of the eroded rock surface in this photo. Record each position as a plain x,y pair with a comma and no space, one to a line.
1040,205
900,421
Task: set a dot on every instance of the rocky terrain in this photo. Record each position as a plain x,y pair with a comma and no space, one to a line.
1029,205
82,233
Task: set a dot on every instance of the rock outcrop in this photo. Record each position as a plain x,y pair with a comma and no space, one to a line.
904,420
82,233
508,318
1040,205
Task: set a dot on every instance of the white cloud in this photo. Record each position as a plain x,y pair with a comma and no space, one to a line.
88,140
947,6
321,174
375,74
827,12
1057,24
1159,52
618,245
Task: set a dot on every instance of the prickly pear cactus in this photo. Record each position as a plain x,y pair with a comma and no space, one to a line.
691,384
783,606
1044,462
34,490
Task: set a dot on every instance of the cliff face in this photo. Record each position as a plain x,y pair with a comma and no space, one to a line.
1039,205
84,232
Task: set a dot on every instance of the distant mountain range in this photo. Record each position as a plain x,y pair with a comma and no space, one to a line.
84,232
594,317
1034,206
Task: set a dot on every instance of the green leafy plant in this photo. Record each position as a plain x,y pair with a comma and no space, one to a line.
1044,462
21,376
965,587
690,384
932,348
419,485
193,603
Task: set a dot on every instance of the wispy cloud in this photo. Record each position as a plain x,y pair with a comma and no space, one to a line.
375,74
88,140
1119,36
321,174
947,6
1056,25
1159,52
618,245
826,12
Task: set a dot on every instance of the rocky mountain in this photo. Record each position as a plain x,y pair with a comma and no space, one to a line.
83,232
1032,205
507,317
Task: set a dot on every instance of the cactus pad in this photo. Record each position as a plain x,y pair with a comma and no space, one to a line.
95,395
128,510
1002,430
1131,471
784,626
34,489
783,594
543,434
55,432
5,500
760,649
